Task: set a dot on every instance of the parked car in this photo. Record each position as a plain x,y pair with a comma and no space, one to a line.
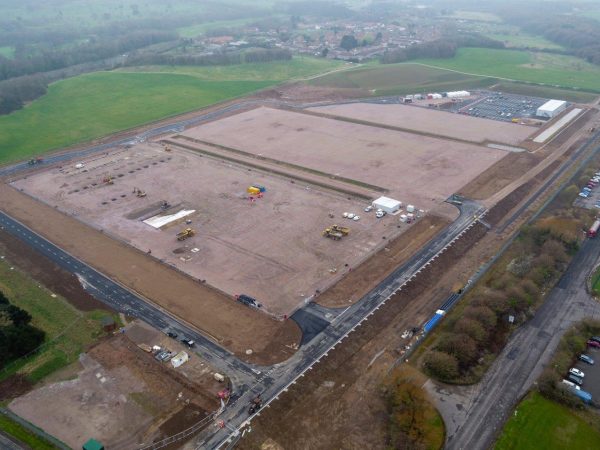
575,371
369,209
586,359
188,342
575,379
595,338
171,334
570,384
594,344
584,194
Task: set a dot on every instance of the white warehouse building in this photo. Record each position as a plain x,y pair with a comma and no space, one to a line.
551,108
389,205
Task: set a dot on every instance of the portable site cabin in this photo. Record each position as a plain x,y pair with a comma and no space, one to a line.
389,205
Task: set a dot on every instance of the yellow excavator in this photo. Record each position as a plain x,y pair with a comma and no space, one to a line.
183,235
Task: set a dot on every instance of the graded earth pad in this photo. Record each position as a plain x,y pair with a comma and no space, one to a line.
433,122
415,169
270,248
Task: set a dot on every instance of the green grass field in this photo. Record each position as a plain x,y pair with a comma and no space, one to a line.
276,71
545,92
196,30
395,79
477,16
7,52
22,434
596,282
90,106
541,68
539,423
523,40
68,331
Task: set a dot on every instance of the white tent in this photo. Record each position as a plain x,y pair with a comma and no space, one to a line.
389,205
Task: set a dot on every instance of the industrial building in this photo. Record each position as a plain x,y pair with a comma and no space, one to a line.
389,205
551,108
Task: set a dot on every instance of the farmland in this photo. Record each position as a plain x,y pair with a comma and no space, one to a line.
392,79
94,105
541,423
540,68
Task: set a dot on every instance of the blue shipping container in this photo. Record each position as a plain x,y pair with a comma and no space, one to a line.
432,322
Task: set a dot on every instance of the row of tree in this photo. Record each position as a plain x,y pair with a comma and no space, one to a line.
254,55
511,290
580,36
439,48
92,51
17,336
16,92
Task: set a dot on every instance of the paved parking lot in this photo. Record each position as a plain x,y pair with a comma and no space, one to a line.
591,381
503,107
591,202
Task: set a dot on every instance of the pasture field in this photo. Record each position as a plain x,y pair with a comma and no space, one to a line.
68,331
545,92
7,52
541,68
298,67
198,29
522,39
476,16
404,78
90,106
541,423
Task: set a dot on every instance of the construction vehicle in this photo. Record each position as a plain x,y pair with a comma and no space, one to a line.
139,192
34,161
165,205
183,235
255,404
344,230
167,148
335,232
108,180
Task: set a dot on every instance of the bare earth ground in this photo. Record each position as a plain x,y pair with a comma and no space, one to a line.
420,170
458,126
271,249
230,323
121,396
359,281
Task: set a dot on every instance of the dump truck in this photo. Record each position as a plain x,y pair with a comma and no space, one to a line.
344,230
183,235
336,232
108,179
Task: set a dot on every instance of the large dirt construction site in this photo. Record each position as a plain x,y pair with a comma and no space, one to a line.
271,248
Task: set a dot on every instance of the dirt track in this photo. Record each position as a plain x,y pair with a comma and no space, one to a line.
233,325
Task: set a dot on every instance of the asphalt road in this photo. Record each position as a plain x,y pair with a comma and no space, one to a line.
475,415
8,444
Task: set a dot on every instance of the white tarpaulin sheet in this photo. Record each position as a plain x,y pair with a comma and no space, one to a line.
161,221
179,359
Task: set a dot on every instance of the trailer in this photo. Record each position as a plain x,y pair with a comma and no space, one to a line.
593,231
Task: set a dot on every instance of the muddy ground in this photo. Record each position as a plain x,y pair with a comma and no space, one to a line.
122,396
441,123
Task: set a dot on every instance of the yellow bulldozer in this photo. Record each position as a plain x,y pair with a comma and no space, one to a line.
336,232
183,235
